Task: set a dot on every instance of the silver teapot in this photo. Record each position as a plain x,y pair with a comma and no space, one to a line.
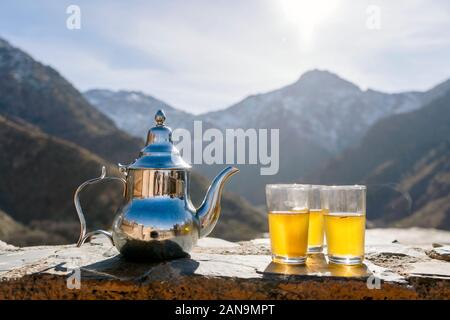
156,219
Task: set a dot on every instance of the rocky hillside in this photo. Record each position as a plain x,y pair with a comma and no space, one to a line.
404,160
39,175
41,96
429,186
18,234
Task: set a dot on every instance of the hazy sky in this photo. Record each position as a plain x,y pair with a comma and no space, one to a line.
203,55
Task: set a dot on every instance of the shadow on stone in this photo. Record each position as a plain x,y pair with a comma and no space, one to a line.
153,251
118,267
317,265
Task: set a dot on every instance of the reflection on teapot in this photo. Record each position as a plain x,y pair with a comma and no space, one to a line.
156,220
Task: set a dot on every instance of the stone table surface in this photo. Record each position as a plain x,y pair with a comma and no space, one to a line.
400,264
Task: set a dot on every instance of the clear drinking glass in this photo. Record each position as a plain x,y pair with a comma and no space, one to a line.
316,220
345,223
288,206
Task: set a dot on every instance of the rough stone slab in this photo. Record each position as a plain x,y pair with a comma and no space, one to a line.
215,243
440,253
409,236
18,258
219,269
430,269
6,247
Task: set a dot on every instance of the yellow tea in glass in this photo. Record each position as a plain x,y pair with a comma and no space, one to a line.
345,234
345,223
316,227
287,232
288,222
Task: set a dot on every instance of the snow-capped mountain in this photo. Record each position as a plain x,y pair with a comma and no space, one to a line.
318,116
322,107
133,111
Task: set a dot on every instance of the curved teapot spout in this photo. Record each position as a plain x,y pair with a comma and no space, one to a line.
209,211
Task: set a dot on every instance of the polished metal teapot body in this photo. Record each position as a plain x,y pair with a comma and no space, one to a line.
157,220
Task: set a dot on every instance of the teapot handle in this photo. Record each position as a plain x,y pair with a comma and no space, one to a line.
83,235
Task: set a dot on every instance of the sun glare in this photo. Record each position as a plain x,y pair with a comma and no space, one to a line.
306,15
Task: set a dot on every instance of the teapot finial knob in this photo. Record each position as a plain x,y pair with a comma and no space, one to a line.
160,117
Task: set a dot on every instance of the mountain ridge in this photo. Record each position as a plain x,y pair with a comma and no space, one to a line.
405,160
58,108
326,113
232,117
119,105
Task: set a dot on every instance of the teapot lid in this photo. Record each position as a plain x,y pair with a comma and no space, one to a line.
159,151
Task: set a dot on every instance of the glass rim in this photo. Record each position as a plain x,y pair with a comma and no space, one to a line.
288,186
345,187
346,213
